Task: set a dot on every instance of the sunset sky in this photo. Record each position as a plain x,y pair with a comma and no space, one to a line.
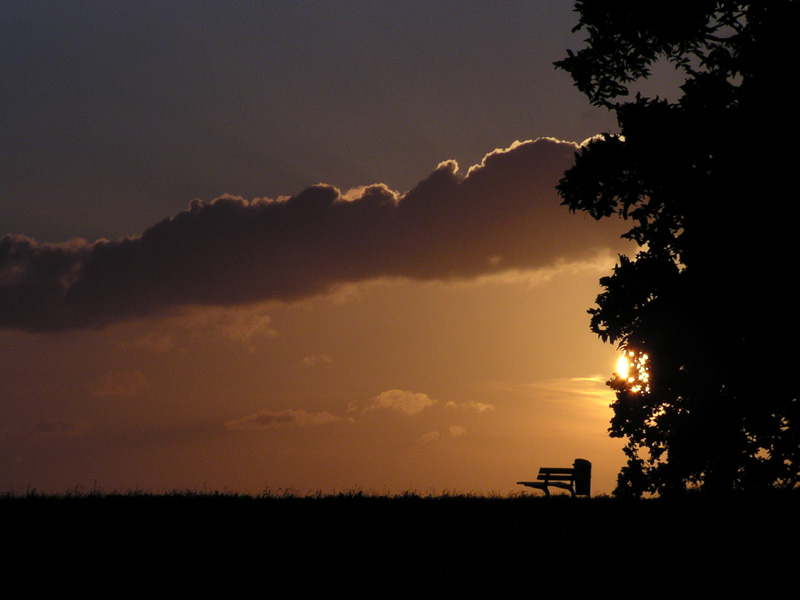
297,245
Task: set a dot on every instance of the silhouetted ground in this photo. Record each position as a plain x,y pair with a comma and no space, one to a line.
228,546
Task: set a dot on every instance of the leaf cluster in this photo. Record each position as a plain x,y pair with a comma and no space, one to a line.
701,297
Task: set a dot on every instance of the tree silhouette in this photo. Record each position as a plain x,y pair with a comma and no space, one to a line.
707,181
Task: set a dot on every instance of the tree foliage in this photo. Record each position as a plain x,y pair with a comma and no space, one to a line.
706,180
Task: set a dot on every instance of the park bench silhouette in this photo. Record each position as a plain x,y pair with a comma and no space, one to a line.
577,479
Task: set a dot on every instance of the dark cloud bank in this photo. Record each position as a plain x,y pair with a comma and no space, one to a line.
503,214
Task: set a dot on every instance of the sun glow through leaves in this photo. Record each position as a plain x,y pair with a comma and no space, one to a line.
633,371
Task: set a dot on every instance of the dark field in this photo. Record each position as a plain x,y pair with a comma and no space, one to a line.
228,546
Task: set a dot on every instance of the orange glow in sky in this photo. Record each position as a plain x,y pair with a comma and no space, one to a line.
240,252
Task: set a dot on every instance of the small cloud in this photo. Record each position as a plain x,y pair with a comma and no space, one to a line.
454,431
409,403
479,407
316,359
429,438
268,419
457,431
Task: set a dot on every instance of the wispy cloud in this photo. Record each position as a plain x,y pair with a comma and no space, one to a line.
240,324
49,429
576,389
267,419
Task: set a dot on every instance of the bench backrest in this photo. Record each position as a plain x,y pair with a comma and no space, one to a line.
556,474
580,475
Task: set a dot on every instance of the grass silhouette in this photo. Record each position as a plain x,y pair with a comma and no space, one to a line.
284,545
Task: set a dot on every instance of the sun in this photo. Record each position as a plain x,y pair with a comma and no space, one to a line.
623,366
633,369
